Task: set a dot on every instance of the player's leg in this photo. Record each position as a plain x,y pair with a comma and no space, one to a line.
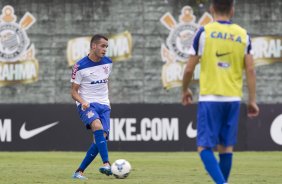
89,157
208,127
225,160
211,164
102,146
228,137
104,113
87,116
100,140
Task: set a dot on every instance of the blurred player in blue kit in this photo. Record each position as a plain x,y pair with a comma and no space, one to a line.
90,91
224,52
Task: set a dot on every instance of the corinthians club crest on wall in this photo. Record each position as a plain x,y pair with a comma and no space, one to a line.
175,52
17,61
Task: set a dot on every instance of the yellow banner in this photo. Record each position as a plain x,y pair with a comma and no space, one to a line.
20,72
120,47
267,49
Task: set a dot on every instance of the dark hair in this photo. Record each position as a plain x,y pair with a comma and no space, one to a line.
96,38
222,6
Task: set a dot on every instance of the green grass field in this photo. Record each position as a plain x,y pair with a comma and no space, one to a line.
148,168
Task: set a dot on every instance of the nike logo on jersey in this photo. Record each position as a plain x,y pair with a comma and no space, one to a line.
222,54
27,134
190,132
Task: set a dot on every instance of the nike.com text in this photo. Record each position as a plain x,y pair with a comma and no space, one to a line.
156,129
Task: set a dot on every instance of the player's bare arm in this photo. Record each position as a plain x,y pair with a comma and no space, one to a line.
76,96
187,77
253,109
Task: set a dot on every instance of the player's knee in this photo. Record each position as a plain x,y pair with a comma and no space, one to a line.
96,125
200,149
224,149
106,135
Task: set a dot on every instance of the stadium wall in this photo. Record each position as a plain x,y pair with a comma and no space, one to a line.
136,78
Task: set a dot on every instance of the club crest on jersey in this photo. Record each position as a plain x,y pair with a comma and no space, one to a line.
90,114
106,69
175,52
17,61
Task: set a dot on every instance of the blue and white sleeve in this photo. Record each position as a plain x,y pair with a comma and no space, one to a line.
76,74
249,49
197,46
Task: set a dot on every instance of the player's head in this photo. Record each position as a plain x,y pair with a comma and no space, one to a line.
98,45
222,7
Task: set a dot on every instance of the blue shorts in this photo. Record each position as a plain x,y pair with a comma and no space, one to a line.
96,111
217,123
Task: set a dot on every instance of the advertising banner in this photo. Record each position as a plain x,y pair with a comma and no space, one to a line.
134,127
120,47
267,49
18,64
174,52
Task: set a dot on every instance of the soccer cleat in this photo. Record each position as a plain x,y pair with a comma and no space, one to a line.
106,170
78,175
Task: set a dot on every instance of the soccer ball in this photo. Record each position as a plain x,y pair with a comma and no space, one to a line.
121,168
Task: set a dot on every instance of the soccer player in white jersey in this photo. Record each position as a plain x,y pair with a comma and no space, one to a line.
90,91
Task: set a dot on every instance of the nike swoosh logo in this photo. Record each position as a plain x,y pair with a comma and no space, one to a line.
190,132
222,54
276,130
26,134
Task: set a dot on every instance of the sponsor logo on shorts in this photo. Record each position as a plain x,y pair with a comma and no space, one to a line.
90,114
